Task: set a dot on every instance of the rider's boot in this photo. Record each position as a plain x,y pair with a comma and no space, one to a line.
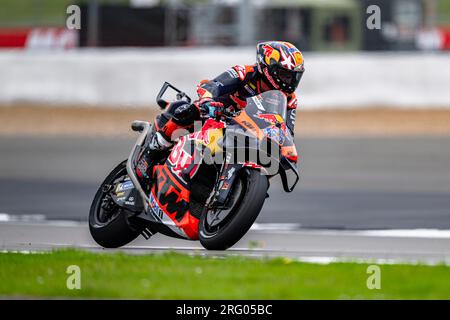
178,115
156,147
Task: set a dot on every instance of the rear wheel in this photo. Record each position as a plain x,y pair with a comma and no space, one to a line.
109,224
221,229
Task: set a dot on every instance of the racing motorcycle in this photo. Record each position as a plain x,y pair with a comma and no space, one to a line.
210,186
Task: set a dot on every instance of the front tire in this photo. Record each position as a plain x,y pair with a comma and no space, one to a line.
251,197
111,229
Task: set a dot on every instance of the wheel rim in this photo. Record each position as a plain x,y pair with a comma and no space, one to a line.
106,210
105,216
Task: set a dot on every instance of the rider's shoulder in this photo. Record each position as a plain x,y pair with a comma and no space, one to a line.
243,71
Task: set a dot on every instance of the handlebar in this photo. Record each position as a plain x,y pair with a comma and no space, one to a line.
225,115
180,95
162,103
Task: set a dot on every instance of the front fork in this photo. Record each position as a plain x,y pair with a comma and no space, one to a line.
222,188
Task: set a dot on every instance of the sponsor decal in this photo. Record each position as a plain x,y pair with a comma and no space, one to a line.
179,158
230,173
233,73
257,101
271,118
277,130
292,117
241,71
127,185
142,168
39,38
275,134
154,206
271,53
269,77
249,125
249,89
130,201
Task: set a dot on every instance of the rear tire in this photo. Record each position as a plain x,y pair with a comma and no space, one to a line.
118,231
243,215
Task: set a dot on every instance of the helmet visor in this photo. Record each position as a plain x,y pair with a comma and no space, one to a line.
289,79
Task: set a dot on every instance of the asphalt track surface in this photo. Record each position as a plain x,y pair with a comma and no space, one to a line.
322,246
347,183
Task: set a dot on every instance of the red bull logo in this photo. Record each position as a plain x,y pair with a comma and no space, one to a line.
273,119
271,53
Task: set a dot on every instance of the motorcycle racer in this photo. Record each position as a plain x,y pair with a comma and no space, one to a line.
279,66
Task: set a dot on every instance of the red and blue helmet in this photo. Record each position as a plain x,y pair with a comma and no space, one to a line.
281,64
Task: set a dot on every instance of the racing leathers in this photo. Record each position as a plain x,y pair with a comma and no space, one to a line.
230,89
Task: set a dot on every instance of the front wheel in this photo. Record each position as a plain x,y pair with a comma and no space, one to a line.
108,223
221,229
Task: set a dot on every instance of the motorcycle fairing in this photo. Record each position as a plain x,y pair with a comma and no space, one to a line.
188,153
171,190
170,202
127,196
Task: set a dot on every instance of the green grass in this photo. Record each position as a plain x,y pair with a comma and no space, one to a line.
176,276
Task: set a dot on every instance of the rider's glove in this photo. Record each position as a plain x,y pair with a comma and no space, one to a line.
212,109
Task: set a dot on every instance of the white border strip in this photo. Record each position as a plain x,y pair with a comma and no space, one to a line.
263,227
276,226
38,219
407,233
6,217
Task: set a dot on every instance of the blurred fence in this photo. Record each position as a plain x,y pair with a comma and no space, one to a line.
133,77
325,25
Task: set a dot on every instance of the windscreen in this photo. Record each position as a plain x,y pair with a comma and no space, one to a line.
272,101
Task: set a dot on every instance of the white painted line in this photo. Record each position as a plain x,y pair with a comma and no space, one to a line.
328,260
5,217
25,251
385,233
39,219
407,233
275,226
318,260
65,223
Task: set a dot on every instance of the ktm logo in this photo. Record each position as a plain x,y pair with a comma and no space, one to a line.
172,197
248,125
